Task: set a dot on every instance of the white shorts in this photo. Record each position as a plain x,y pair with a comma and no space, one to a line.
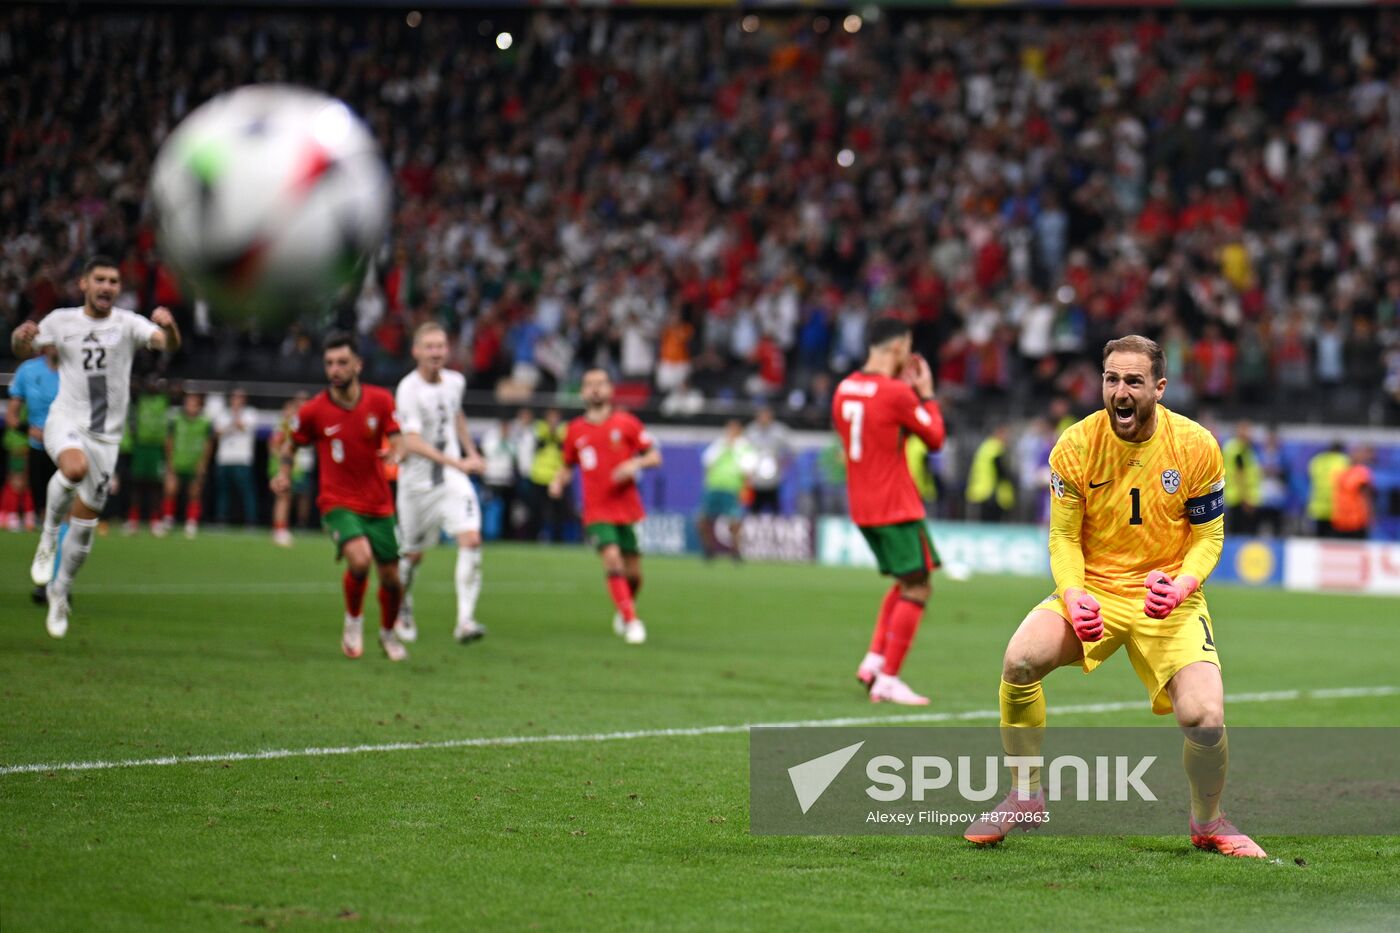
60,434
451,507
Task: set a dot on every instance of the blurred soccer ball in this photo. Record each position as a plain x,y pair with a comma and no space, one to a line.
269,199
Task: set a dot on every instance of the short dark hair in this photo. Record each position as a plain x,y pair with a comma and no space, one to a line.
1135,343
336,339
100,260
885,329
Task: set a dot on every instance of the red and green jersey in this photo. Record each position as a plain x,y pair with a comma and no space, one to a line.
347,444
873,414
597,450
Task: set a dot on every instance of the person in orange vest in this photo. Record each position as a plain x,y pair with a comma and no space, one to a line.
1352,492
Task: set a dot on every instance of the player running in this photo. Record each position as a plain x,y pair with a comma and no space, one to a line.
1136,526
348,422
434,493
610,449
873,411
96,345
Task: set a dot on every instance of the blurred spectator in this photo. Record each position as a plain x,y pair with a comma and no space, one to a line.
1323,470
727,461
772,452
1033,470
1244,481
1354,490
499,451
1273,490
235,427
548,515
990,491
151,420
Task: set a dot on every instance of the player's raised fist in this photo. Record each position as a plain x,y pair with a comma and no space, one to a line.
1085,614
27,330
161,317
1164,594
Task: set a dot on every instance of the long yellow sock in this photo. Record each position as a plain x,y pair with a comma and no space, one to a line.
1206,766
1023,726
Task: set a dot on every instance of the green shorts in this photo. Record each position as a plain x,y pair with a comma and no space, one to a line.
602,534
345,526
720,503
147,464
901,549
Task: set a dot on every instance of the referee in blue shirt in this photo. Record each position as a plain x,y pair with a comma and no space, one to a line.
35,384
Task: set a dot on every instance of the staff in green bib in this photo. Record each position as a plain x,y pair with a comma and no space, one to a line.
728,461
1323,470
187,450
547,514
989,487
150,424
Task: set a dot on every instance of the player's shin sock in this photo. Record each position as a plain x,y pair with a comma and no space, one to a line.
407,568
354,593
1023,728
1206,766
903,623
622,596
467,578
61,494
167,509
75,551
389,599
9,501
882,621
193,509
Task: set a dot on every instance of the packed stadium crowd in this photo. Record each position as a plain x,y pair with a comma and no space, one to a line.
713,207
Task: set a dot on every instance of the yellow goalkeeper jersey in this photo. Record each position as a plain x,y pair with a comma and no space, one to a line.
1135,503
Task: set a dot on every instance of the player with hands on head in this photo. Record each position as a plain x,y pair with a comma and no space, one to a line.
874,410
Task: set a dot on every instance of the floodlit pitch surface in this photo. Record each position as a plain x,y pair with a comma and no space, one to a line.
633,812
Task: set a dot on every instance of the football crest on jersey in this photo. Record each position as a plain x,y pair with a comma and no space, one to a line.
1057,484
372,422
1171,480
616,436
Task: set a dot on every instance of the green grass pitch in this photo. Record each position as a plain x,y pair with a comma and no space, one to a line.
226,644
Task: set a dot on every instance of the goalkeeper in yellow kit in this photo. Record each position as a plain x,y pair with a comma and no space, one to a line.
1136,526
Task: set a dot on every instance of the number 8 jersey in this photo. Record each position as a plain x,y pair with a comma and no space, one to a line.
873,414
1137,501
94,367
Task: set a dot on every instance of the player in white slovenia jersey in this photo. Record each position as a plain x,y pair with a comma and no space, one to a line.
96,344
435,494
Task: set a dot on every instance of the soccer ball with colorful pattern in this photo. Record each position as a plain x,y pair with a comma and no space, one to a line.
269,199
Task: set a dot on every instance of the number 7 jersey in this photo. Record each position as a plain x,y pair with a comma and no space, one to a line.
873,414
1138,501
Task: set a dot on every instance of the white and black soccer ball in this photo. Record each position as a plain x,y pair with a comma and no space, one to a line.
269,198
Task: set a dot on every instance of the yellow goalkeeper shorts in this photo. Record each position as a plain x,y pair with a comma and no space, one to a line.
1158,648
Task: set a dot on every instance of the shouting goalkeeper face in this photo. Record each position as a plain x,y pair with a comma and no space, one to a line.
1131,391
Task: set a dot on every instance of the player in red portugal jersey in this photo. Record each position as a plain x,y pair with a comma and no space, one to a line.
874,410
610,448
347,424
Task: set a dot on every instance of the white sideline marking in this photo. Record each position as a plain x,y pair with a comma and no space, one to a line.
506,740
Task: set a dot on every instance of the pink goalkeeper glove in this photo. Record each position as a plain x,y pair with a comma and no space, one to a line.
1165,594
1084,614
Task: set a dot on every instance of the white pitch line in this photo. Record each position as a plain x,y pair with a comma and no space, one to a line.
509,740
